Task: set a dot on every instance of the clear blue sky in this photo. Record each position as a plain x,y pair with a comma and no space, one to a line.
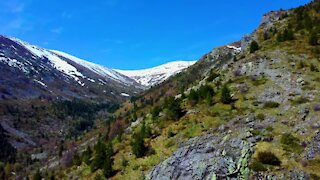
134,34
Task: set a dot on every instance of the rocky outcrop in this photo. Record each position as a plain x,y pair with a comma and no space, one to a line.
207,157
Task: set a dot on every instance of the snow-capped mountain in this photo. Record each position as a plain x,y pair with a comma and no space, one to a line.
31,71
158,74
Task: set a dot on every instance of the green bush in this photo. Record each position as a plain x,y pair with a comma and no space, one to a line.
254,46
212,76
260,116
257,166
300,100
313,38
271,104
266,157
314,68
225,95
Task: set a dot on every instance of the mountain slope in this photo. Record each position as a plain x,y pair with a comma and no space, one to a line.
156,75
54,73
249,114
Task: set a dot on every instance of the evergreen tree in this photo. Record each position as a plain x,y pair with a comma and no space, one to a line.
173,109
225,95
193,96
138,147
137,144
100,156
107,167
254,46
155,111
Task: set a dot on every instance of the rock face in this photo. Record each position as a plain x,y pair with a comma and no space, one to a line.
212,156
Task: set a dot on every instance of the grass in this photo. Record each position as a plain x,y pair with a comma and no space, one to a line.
290,143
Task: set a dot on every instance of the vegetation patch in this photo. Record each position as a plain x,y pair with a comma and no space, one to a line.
267,157
271,104
290,143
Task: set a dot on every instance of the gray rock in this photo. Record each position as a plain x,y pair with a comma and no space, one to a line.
206,157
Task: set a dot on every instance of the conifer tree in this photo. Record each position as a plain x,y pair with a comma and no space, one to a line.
99,157
225,95
107,167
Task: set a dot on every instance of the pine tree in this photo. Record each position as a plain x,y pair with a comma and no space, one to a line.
173,109
254,46
137,144
193,96
225,95
100,156
107,167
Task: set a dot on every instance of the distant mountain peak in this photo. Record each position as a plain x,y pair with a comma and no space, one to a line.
156,75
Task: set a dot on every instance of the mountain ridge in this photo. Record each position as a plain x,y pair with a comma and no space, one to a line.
156,75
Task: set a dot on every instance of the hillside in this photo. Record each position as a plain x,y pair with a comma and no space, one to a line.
60,95
246,110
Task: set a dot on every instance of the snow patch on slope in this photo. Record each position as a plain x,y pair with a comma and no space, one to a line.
57,63
101,70
156,75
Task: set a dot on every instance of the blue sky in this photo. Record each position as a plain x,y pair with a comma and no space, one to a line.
127,34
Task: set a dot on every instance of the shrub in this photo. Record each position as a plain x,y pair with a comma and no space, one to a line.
286,35
212,76
170,133
301,65
313,39
225,95
254,46
300,100
314,68
271,104
266,157
269,128
260,116
257,81
257,166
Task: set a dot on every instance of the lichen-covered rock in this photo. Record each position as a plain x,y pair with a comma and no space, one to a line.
313,147
207,157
